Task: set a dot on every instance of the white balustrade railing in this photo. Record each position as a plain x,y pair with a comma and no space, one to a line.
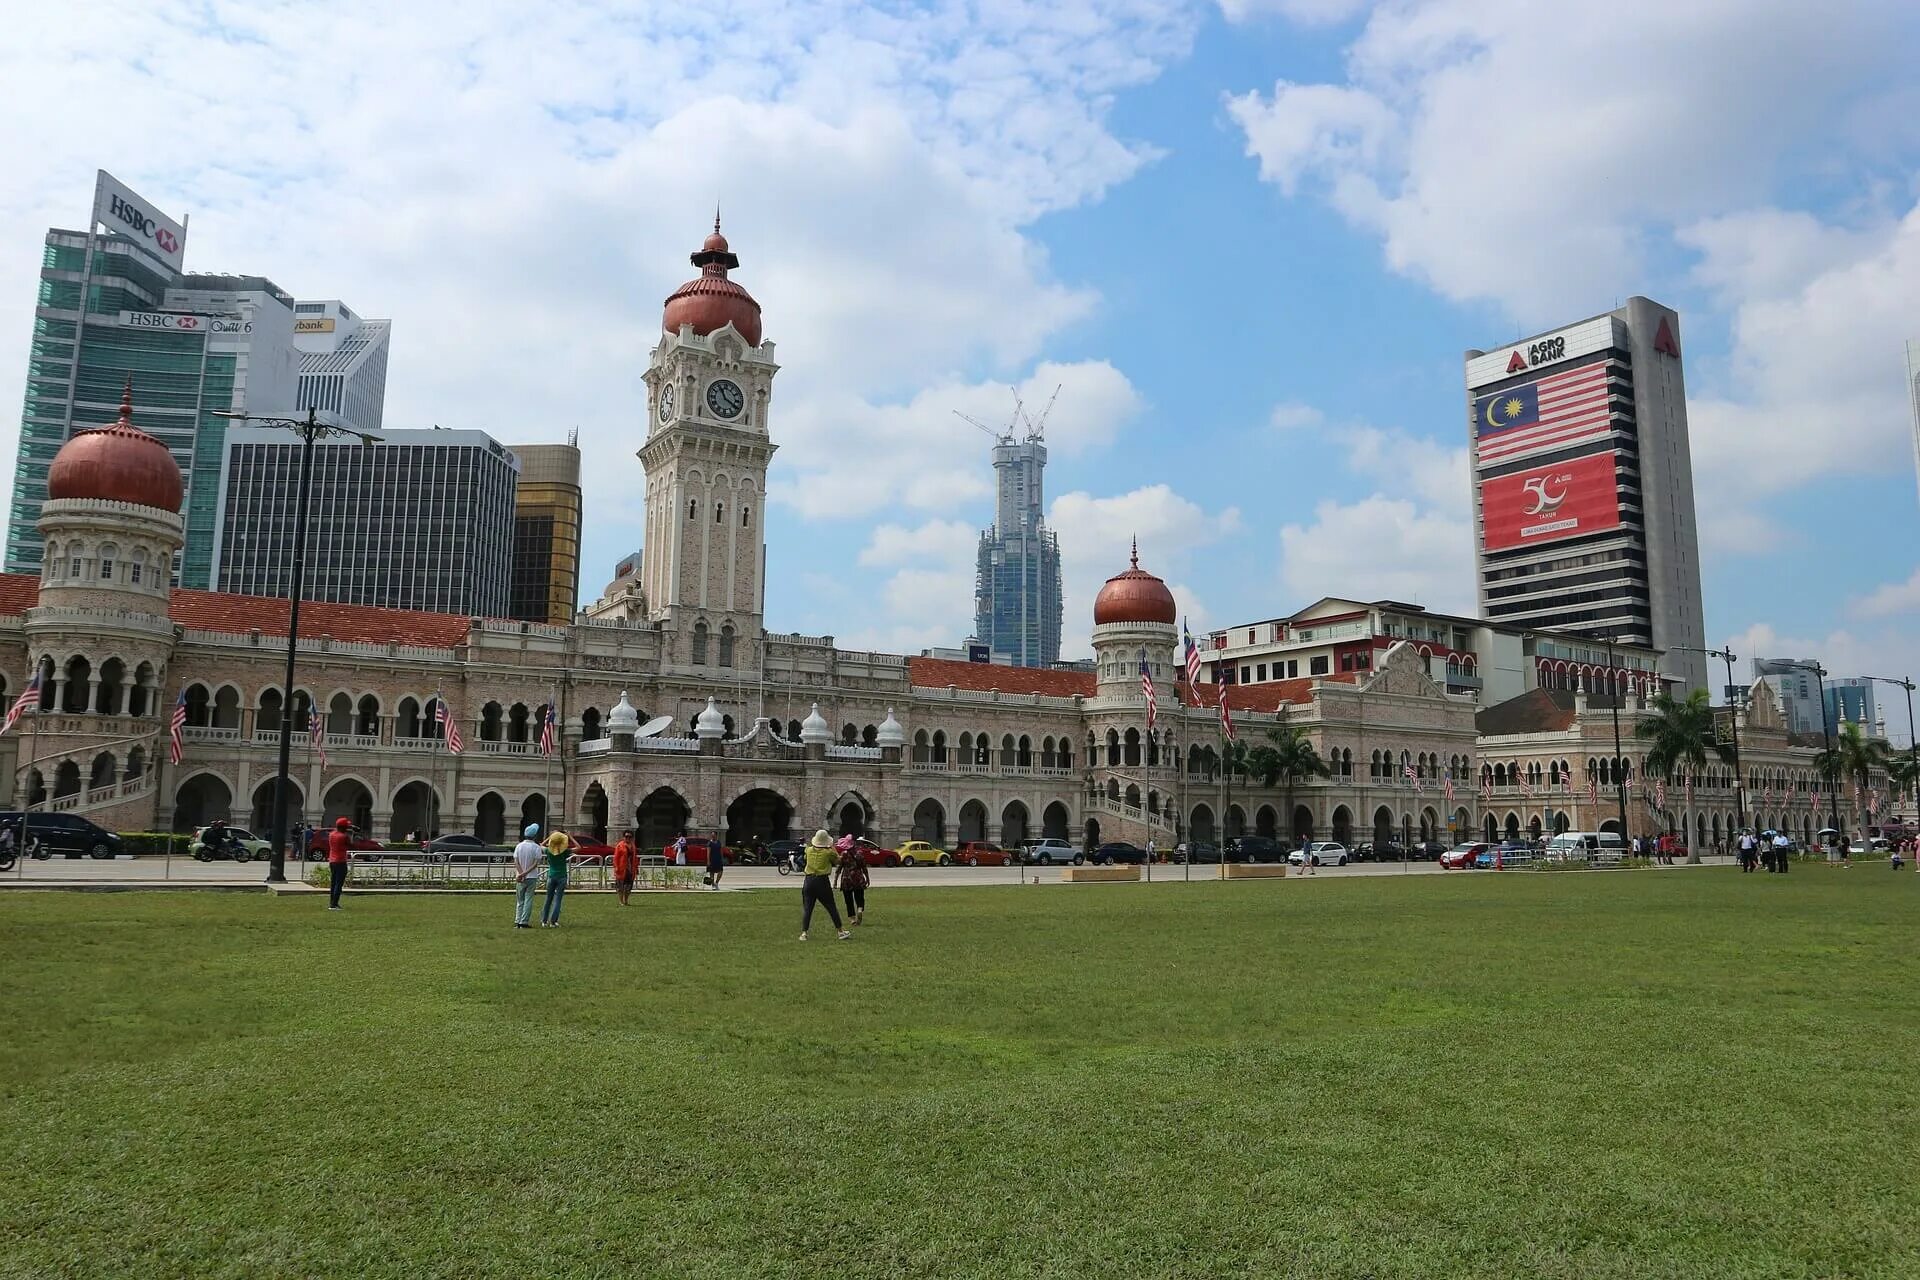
209,733
853,753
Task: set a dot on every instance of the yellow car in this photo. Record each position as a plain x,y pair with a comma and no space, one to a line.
918,853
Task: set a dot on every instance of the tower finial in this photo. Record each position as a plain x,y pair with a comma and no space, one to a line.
126,403
1136,551
716,217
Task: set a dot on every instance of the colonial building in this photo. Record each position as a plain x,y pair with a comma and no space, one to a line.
674,707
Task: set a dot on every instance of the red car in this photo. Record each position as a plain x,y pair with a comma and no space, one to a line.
697,847
980,853
1461,856
873,855
360,844
589,848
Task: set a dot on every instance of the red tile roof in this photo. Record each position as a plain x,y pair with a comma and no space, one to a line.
222,611
981,677
1268,695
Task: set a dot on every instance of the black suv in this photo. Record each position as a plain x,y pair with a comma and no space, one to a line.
67,833
1255,849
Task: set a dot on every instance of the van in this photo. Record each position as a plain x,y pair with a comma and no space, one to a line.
1586,846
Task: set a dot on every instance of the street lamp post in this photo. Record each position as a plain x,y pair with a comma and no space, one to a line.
1733,729
310,430
1826,734
1913,746
1619,764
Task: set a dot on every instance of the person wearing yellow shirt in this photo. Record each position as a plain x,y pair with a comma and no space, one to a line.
816,886
558,845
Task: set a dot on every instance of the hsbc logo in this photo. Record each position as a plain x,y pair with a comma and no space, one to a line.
187,322
138,219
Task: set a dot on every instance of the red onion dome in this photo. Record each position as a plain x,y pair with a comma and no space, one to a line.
117,463
710,301
1134,596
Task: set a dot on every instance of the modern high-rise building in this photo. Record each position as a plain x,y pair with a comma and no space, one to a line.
545,584
1017,599
421,520
1583,485
1850,698
343,362
117,304
1795,687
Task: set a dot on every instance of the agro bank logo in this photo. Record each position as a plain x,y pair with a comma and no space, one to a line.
138,219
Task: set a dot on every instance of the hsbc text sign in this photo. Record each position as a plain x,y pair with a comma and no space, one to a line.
116,205
184,323
1546,504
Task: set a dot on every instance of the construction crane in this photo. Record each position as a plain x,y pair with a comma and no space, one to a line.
1035,429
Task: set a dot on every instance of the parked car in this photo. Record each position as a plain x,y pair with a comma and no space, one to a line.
1461,856
1053,849
66,833
980,853
1254,849
697,847
446,848
1379,851
589,850
873,855
241,845
1427,851
1321,853
359,842
1198,851
918,853
1513,853
1119,851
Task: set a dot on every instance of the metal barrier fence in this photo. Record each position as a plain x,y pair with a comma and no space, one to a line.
495,871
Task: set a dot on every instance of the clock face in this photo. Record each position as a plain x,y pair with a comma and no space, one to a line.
725,398
666,402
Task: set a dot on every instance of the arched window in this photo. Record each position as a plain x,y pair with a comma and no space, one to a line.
746,515
137,570
726,644
849,736
693,508
108,553
699,644
719,512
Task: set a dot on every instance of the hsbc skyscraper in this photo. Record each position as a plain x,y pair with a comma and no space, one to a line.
1583,484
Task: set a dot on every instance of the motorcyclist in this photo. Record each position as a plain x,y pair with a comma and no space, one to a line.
216,837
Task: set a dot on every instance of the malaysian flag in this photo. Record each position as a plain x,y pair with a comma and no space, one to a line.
176,747
1526,786
448,728
29,698
1406,771
1563,409
1226,716
1193,663
317,734
1660,793
1146,687
1449,790
1593,792
546,731
1486,787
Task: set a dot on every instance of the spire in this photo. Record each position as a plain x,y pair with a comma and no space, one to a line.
126,403
716,217
1136,551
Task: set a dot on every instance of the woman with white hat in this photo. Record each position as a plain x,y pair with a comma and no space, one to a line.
817,885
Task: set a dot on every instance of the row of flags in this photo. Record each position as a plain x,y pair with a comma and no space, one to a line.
29,700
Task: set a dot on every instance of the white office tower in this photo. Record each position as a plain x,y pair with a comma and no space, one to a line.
343,362
1583,485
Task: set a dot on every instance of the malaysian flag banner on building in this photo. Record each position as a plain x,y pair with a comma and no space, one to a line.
448,728
1146,689
176,744
29,700
1564,409
1192,651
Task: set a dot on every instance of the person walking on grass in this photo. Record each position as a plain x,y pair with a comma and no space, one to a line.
558,846
526,875
626,861
854,878
339,855
816,886
716,863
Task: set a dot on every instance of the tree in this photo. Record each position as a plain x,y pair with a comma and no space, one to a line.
1904,772
1854,757
1681,733
1291,756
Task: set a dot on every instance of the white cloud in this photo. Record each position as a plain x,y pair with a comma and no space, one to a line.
1890,598
1380,548
1844,653
1434,473
1291,415
1311,13
1097,535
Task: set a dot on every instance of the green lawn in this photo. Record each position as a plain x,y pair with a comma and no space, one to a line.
1634,1074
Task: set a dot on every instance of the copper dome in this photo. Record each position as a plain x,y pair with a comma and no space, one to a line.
1134,596
710,301
117,463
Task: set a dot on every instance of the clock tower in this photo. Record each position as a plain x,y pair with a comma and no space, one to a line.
709,384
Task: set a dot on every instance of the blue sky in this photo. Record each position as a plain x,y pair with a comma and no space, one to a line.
1249,239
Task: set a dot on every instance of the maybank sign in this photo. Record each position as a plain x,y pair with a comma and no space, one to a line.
115,205
314,324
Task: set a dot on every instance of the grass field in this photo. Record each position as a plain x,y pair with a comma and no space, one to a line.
1688,1073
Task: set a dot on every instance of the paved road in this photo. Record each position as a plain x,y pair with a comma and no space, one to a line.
154,872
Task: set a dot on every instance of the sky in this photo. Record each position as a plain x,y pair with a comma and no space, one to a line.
1248,240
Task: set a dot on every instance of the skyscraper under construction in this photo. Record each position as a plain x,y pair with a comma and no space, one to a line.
1017,589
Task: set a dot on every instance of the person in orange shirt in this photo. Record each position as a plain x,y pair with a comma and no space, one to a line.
626,859
339,856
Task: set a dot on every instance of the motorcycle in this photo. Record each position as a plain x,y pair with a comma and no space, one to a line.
36,849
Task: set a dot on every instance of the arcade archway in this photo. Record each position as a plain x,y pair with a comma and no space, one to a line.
761,815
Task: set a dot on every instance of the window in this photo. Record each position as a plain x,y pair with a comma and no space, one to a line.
693,508
726,645
745,513
73,569
1263,671
699,643
1245,675
106,570
1318,666
719,511
133,574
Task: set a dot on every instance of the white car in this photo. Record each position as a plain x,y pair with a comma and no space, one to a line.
1321,853
1051,850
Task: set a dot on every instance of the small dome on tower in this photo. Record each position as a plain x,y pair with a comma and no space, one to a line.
117,463
1134,596
815,729
710,301
891,732
710,723
623,718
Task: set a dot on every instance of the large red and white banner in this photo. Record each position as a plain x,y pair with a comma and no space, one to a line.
1546,504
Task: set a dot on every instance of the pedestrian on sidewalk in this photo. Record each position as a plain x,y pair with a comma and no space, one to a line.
716,863
526,871
816,886
854,878
558,849
626,864
680,850
339,856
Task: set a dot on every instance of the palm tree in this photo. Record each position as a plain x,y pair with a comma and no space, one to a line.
1854,756
1292,756
1681,733
1903,772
